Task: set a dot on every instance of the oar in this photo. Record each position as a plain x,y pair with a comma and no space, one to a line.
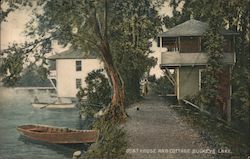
44,106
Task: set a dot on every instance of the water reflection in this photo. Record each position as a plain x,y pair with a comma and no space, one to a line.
16,109
64,149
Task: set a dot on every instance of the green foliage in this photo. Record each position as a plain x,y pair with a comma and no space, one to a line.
163,86
34,76
196,99
241,82
138,22
152,78
132,64
178,17
213,42
216,134
98,93
12,66
111,142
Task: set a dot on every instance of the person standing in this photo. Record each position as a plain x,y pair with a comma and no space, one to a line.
145,87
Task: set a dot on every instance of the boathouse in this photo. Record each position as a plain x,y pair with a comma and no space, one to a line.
183,58
68,70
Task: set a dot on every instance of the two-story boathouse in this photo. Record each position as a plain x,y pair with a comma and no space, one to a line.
183,59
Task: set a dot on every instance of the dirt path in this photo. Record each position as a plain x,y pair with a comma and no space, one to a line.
157,132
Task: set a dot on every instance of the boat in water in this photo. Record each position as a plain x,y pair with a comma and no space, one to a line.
57,135
59,103
53,105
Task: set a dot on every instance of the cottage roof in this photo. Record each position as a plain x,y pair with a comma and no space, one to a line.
73,54
191,27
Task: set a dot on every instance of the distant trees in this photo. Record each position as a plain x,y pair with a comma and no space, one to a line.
34,76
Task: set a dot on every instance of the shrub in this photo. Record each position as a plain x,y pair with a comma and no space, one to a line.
97,93
152,78
163,86
111,142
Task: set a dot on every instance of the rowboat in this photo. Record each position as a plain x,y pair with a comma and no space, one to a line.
53,105
59,103
57,135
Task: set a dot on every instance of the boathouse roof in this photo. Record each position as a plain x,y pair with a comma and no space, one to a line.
191,27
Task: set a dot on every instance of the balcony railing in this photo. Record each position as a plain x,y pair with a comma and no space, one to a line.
189,59
52,74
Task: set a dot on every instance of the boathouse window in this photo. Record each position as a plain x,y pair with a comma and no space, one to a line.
228,44
201,78
190,44
170,43
78,65
78,83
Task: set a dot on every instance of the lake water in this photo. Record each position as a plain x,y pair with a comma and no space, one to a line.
16,109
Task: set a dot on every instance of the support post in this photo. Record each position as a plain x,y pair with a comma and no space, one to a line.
229,109
161,42
178,83
179,42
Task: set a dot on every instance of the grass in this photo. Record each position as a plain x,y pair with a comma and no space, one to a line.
111,142
217,134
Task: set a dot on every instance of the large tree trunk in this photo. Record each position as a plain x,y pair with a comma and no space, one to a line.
116,111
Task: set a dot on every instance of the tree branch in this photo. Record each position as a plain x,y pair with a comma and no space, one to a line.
32,44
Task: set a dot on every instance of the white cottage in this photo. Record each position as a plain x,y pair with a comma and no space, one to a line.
69,69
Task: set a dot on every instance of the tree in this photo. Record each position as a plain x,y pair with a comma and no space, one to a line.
84,24
139,21
87,25
178,16
213,43
175,19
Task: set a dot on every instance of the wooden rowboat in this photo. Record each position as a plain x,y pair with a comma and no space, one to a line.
57,135
53,105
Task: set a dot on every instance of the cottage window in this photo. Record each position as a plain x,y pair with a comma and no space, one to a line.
158,42
78,65
78,83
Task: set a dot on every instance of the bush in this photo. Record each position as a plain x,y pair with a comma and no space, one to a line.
111,142
97,93
34,76
196,99
152,78
163,86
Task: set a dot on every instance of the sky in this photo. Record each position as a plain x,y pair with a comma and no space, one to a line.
13,31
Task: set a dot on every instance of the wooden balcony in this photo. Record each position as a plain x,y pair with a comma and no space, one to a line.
176,59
